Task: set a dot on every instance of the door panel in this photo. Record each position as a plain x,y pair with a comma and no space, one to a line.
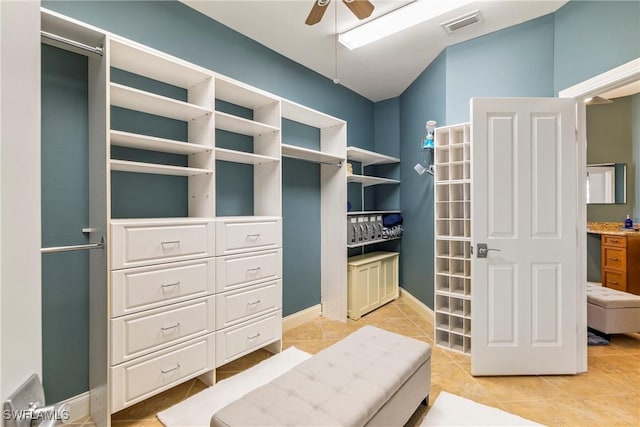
524,205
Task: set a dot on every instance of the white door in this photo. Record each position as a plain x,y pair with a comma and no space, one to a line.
524,207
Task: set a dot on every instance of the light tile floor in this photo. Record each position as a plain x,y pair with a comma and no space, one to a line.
607,395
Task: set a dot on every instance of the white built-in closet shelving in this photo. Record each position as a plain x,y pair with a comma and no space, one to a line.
453,238
202,243
369,158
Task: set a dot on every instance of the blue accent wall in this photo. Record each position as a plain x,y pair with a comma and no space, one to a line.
517,61
65,211
424,100
635,135
592,37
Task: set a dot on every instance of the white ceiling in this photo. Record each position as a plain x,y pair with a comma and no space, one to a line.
381,70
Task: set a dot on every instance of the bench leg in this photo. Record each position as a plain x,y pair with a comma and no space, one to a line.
425,401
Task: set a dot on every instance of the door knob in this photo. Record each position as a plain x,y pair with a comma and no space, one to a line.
483,250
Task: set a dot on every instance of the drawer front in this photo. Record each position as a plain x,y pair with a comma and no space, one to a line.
240,270
135,245
237,237
614,280
614,258
618,241
236,341
142,288
142,378
142,333
237,306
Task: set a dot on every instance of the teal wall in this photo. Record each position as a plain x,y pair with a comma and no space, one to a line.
65,275
635,135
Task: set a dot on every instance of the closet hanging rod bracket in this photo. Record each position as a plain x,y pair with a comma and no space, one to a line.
54,249
97,49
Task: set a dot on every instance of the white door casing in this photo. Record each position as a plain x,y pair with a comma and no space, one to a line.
524,205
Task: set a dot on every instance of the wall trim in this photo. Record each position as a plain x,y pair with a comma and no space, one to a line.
79,406
302,316
417,305
616,77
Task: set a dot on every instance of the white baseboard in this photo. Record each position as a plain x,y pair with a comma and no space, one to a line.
297,319
417,305
79,406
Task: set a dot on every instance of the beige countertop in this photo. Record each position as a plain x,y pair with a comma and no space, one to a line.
610,228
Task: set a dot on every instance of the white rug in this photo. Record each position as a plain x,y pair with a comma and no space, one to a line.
452,410
199,408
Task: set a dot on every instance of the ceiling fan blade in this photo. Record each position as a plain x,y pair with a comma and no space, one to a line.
317,12
361,8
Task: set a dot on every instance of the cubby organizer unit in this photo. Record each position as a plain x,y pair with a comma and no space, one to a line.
452,204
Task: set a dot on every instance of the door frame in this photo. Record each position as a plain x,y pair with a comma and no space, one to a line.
611,79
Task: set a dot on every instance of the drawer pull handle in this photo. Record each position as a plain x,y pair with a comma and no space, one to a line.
613,283
171,285
254,336
168,328
614,259
170,242
253,270
254,302
175,368
253,236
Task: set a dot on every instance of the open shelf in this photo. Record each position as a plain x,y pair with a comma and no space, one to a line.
240,94
155,65
371,242
242,157
301,114
152,168
372,212
370,180
145,142
368,158
134,99
241,125
310,155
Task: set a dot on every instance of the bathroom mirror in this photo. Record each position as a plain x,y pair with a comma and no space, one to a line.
607,183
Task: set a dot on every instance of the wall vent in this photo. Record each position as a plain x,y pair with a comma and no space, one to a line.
461,21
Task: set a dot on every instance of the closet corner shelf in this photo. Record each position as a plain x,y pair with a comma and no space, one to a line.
242,157
301,114
368,158
370,180
316,156
151,143
241,125
152,168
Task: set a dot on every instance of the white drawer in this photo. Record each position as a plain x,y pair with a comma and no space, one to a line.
234,271
141,378
239,234
142,333
142,288
236,341
144,242
236,306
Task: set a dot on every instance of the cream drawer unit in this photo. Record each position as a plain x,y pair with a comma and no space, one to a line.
142,333
237,306
142,288
153,241
234,271
144,377
236,341
243,234
372,281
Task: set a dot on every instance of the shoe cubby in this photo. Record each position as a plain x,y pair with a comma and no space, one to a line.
453,237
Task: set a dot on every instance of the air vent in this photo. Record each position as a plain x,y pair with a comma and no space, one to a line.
461,21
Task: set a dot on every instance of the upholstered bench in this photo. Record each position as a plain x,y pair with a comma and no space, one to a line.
611,311
372,377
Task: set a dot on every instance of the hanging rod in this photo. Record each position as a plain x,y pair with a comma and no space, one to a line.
291,156
53,249
55,37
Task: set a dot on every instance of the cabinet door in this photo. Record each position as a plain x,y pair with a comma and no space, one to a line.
389,275
370,275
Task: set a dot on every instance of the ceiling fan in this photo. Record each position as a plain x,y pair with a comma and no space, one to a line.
361,8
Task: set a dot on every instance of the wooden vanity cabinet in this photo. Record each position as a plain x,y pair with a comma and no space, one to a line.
620,257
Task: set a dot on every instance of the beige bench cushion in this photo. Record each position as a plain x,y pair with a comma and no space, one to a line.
344,385
611,298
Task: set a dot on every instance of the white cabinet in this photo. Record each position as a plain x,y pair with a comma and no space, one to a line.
452,206
372,282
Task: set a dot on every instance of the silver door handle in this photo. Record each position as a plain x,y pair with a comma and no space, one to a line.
483,250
